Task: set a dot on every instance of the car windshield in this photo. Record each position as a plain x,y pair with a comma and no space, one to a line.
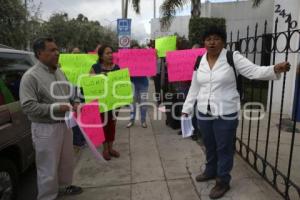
12,67
14,61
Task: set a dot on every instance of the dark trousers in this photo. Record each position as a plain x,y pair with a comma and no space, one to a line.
110,127
195,122
78,138
157,86
218,135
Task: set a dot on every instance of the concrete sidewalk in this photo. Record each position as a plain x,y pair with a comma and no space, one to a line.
157,164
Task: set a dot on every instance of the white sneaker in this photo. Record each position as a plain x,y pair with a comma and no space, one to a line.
130,124
144,125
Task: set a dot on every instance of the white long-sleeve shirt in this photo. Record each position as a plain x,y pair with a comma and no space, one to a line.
217,86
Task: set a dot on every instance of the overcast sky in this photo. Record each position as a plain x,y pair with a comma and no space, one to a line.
107,12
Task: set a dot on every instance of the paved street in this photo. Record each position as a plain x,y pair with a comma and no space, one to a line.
157,164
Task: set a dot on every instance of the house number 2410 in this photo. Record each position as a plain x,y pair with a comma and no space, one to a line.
288,16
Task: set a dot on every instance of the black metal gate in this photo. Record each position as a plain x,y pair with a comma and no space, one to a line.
270,144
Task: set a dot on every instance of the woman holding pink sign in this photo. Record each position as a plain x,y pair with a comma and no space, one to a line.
141,85
103,66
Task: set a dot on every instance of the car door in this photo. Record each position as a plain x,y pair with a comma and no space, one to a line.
14,125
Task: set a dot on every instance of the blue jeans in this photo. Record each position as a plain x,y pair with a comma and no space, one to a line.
218,137
140,97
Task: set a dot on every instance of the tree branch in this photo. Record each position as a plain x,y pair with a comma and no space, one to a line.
168,11
136,6
256,3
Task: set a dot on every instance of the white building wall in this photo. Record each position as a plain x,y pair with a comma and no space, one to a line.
293,7
238,16
179,25
241,14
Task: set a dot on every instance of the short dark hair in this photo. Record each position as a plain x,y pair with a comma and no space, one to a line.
101,51
40,44
215,30
135,45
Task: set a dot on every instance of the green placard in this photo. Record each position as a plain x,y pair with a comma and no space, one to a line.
120,87
112,91
74,65
165,44
94,87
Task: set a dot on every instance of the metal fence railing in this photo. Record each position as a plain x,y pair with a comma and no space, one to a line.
270,144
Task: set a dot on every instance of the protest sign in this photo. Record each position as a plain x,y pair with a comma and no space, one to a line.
181,64
96,87
121,88
74,65
116,58
140,62
89,122
112,91
165,44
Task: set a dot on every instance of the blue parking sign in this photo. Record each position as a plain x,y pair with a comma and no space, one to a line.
124,27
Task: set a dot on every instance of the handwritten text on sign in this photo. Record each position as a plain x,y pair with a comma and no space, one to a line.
140,62
74,65
181,64
112,91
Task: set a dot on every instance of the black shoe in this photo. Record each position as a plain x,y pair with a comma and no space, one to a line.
72,190
194,137
179,133
203,177
219,190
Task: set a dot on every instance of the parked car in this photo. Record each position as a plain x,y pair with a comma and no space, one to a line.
16,149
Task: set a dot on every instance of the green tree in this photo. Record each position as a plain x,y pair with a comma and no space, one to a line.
58,28
12,23
169,8
77,32
182,42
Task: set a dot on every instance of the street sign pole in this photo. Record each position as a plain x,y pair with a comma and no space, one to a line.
124,32
122,9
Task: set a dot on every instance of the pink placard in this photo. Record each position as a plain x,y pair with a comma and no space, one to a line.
90,123
181,63
115,58
140,62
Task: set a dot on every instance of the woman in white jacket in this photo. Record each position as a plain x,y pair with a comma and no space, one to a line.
218,103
